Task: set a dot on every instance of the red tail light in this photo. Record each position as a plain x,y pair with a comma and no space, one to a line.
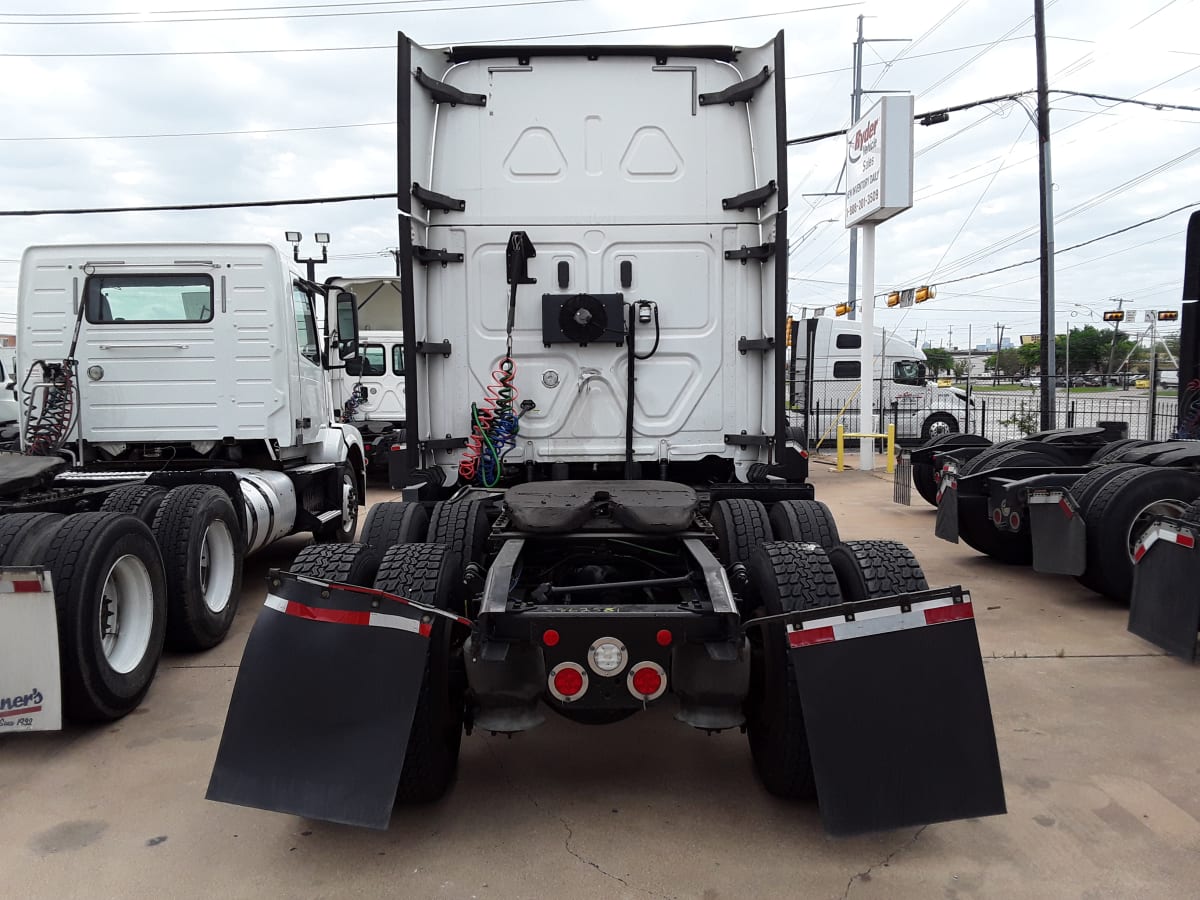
568,681
647,681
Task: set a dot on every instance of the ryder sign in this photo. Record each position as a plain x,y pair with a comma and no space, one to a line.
879,162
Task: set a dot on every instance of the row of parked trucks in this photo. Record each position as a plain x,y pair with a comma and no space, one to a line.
601,505
1121,515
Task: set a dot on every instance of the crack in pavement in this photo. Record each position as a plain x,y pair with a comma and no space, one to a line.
570,832
865,875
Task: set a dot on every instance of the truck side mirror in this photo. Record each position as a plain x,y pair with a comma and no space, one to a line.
347,325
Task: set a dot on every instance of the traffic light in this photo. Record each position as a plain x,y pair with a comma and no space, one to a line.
925,292
841,309
787,341
1114,315
1167,315
893,299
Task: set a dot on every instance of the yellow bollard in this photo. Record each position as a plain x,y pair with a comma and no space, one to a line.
891,448
841,449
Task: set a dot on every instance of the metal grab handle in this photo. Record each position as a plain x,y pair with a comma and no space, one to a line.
144,346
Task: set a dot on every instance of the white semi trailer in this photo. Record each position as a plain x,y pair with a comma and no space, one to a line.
175,416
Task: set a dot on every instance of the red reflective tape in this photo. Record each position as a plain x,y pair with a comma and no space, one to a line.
1185,540
1066,508
811,636
951,613
425,629
1139,553
337,616
26,586
23,711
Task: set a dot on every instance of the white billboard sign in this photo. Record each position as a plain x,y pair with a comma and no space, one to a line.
879,162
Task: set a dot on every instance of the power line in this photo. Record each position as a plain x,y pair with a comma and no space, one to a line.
183,207
181,12
324,15
1102,237
504,40
179,134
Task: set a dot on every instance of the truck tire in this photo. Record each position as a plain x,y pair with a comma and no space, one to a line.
925,480
141,500
987,459
461,525
740,526
343,529
939,424
1083,490
869,569
806,521
788,577
392,522
1114,450
202,549
23,537
427,573
111,598
1116,515
344,563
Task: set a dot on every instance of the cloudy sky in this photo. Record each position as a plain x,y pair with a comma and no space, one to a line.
115,103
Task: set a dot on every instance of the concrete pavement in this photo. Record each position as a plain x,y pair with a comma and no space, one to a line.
1098,738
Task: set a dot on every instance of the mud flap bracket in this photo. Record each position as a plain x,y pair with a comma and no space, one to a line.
323,703
897,712
1059,533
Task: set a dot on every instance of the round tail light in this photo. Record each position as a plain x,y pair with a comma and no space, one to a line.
568,681
647,681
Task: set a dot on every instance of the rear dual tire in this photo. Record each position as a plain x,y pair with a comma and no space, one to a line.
110,600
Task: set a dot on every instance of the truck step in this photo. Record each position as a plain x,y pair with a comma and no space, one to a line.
330,516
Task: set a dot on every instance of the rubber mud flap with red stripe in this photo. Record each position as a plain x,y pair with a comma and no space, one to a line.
1058,533
1164,607
323,704
897,712
946,524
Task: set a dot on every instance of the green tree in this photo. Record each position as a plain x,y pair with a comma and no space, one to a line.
1030,355
939,360
960,369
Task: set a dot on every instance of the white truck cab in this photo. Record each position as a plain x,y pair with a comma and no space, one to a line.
826,368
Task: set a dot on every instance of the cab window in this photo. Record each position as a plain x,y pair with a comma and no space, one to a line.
909,371
847,369
397,359
306,326
371,361
848,341
148,298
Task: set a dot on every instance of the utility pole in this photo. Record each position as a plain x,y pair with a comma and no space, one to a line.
1116,331
855,107
1047,210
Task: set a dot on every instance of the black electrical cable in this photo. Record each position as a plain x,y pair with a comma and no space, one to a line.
631,356
657,330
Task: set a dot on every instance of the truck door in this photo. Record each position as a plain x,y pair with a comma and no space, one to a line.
368,372
310,415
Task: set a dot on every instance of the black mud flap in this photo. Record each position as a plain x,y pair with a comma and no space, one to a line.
1164,608
323,704
1058,532
946,525
897,712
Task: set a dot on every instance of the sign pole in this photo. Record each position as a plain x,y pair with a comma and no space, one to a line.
866,418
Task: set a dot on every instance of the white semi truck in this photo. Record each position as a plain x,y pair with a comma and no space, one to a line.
601,507
175,416
825,367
